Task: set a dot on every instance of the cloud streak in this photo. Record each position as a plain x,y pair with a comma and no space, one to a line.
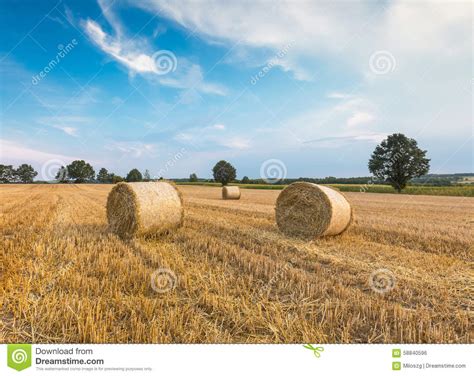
14,152
139,58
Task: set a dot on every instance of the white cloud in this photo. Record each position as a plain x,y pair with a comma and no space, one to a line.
429,41
14,152
344,35
106,7
318,27
212,135
192,77
69,124
338,141
132,59
343,122
339,95
239,143
136,54
71,131
132,148
184,137
359,118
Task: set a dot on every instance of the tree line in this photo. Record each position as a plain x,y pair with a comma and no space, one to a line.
22,174
396,161
82,172
78,171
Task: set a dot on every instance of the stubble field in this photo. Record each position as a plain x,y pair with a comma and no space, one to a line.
65,278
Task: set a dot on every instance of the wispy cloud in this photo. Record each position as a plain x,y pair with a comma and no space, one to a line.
216,135
339,95
133,149
359,118
14,152
318,28
239,143
136,61
69,124
336,140
191,77
138,56
71,131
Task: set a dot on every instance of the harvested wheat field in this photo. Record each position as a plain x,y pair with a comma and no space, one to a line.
65,278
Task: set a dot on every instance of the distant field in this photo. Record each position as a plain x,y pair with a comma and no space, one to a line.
64,278
464,191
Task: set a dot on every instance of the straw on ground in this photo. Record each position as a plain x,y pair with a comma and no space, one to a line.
64,278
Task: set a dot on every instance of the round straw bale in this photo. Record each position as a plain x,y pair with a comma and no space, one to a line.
308,210
231,192
135,209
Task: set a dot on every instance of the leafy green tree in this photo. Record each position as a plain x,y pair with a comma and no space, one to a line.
103,176
7,173
397,160
115,178
61,175
25,173
224,172
245,180
146,176
134,175
80,171
193,178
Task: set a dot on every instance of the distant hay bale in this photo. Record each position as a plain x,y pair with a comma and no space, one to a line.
308,210
230,192
135,209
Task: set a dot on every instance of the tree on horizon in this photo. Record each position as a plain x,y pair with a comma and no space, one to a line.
134,176
146,175
25,173
7,173
103,176
224,172
397,160
80,171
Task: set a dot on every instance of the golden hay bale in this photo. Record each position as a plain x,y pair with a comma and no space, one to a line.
231,193
144,208
308,210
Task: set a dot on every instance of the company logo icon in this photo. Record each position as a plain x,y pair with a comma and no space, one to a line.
316,350
19,356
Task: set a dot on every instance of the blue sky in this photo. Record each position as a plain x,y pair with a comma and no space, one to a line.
300,88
